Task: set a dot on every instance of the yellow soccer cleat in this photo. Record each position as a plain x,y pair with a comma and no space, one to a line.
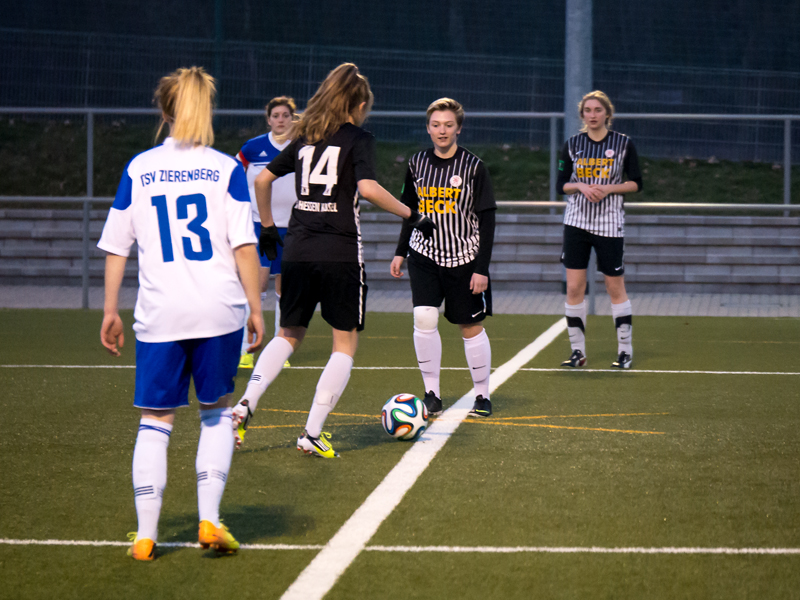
142,549
246,361
320,446
286,365
218,538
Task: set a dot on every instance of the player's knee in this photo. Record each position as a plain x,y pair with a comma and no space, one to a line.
426,318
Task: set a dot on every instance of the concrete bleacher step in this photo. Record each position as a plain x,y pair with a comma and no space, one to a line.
666,253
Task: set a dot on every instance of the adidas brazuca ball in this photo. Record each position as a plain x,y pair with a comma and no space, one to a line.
404,417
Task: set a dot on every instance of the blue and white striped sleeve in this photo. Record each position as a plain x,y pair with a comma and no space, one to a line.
118,232
238,210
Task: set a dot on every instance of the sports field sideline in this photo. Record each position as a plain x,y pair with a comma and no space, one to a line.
677,478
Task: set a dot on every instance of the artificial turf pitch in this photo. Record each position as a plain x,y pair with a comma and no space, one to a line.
570,459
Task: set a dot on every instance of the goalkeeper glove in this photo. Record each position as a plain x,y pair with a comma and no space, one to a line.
268,242
423,223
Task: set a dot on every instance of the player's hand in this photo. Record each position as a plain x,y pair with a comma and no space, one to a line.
255,332
590,191
397,263
478,283
111,334
423,224
600,190
268,242
240,421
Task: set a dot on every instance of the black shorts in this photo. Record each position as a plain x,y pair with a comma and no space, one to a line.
578,244
339,287
432,284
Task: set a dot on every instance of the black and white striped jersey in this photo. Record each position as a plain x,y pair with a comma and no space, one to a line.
451,192
601,163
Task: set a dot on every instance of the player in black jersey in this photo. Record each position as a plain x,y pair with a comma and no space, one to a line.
333,160
592,173
451,186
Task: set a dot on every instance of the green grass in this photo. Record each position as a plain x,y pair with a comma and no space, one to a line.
714,465
48,157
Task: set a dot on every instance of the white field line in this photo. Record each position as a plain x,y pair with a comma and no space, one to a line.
414,368
98,543
440,549
321,573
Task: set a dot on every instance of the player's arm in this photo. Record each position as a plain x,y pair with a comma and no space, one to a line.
486,208
263,188
566,187
247,262
408,196
111,331
630,167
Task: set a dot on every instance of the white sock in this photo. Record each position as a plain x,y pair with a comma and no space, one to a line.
150,474
330,387
214,452
623,321
479,359
267,367
245,343
428,344
277,313
263,298
576,325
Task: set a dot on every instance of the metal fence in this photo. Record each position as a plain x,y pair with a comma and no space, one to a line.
85,70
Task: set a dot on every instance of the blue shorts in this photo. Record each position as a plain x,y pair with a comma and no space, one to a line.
163,370
274,266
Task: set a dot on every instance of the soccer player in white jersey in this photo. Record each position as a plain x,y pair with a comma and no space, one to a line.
254,156
451,186
333,158
597,168
186,206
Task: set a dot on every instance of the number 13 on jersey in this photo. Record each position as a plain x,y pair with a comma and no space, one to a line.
325,172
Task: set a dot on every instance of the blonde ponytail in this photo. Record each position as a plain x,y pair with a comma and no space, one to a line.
186,99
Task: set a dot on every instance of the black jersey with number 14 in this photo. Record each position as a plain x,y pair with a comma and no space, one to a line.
325,224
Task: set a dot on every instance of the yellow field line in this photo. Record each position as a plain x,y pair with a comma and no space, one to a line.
305,412
576,416
546,426
300,425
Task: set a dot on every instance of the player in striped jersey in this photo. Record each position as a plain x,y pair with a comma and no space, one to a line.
592,172
187,208
254,156
333,160
450,185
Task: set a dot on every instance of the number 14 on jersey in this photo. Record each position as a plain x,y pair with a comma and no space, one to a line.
325,172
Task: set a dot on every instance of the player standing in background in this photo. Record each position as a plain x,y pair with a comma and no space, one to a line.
187,207
591,173
333,159
451,186
254,156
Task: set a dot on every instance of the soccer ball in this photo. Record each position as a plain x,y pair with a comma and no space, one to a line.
404,417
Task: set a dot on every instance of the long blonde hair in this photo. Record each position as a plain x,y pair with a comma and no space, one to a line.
603,100
186,99
337,101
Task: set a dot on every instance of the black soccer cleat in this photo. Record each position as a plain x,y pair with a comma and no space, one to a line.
623,361
432,403
481,408
576,359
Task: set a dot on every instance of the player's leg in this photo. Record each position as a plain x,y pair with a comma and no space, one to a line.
162,384
468,311
343,299
427,294
610,262
575,256
213,377
299,299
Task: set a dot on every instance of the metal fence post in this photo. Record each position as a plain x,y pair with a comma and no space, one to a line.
553,154
787,163
87,205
